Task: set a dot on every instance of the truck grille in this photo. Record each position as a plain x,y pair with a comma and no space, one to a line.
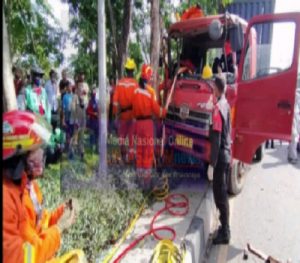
194,118
194,126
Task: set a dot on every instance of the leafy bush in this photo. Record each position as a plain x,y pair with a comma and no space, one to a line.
104,214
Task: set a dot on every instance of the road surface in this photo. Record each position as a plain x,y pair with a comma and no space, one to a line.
267,212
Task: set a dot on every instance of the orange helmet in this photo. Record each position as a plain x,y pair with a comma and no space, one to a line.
23,131
146,72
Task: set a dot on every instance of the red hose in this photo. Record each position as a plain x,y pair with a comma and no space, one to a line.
171,203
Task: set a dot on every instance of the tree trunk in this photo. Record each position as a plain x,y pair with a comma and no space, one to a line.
102,173
155,40
9,98
124,41
115,54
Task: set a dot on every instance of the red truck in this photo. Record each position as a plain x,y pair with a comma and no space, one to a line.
261,83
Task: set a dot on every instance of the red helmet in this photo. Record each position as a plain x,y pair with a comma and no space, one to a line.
23,131
146,72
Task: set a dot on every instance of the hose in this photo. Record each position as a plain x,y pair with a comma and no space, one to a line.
166,252
173,202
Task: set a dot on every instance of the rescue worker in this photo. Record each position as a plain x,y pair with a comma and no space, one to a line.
36,96
30,234
192,12
122,103
220,158
144,105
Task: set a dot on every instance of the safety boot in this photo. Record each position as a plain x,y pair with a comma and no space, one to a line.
223,236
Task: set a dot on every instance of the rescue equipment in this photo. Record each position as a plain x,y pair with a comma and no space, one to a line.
166,252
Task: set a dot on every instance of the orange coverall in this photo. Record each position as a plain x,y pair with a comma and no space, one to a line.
18,229
144,106
122,102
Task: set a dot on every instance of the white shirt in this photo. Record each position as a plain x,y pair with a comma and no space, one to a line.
51,90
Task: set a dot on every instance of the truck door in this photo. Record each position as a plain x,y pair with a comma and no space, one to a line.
267,83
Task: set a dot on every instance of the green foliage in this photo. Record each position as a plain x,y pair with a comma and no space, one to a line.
84,25
136,54
104,214
33,39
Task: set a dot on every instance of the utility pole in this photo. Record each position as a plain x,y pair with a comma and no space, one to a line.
155,41
9,98
102,140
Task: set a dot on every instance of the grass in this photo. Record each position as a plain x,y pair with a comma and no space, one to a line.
104,214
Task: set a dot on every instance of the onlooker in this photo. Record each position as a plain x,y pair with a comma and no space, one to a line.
92,119
271,143
78,118
18,79
292,149
63,84
67,106
21,99
82,89
36,96
52,95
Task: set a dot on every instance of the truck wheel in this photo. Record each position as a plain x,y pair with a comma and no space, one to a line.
236,178
258,154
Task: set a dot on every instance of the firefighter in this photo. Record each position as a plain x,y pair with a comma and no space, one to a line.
220,158
27,237
144,106
122,108
192,12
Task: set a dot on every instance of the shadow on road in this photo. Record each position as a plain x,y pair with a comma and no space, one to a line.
234,252
279,153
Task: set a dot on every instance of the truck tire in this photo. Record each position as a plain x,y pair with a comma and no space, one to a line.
259,154
236,178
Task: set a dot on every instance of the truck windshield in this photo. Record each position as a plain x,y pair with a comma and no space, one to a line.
198,51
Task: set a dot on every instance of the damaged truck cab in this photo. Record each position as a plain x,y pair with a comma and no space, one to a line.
261,83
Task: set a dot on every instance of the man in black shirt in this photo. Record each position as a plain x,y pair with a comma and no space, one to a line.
220,138
64,83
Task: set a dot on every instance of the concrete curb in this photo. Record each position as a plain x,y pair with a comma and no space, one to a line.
202,224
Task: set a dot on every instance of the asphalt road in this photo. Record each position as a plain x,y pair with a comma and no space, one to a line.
266,213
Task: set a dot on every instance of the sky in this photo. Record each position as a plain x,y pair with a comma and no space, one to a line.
287,6
61,12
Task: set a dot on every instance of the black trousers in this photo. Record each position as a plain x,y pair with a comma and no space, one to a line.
220,191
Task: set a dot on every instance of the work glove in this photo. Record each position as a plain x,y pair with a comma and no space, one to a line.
210,173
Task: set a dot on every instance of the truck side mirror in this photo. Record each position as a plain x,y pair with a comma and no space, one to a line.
215,29
236,38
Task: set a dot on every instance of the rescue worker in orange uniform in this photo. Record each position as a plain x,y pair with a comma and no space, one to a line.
122,108
144,105
192,12
27,237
